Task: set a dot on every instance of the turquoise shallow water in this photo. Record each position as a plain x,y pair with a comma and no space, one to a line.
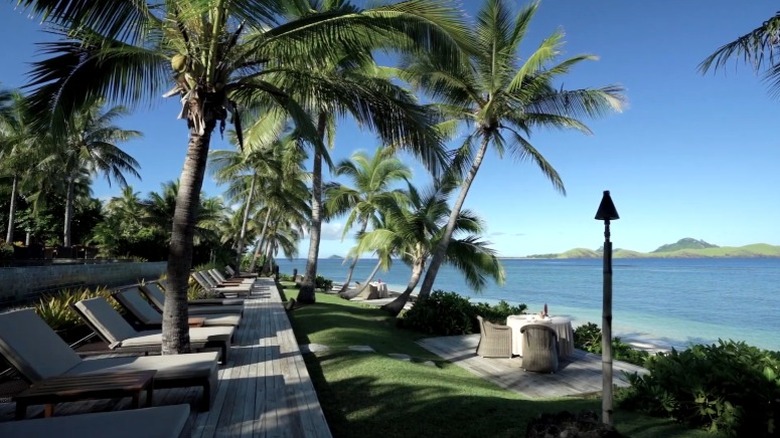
663,302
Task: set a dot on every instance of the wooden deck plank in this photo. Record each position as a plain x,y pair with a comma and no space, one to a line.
579,374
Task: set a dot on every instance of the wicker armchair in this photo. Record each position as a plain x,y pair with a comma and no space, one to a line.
540,348
494,340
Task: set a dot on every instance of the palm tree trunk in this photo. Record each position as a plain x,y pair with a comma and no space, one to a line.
68,213
352,265
394,307
9,235
441,248
260,240
306,293
244,221
176,335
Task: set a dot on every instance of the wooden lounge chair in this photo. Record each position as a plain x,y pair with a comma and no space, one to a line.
230,306
235,274
540,348
38,353
121,336
494,340
133,301
221,279
164,421
209,285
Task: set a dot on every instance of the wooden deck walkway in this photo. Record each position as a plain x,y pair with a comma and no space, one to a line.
578,375
264,391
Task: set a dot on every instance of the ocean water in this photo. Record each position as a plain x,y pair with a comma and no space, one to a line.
660,302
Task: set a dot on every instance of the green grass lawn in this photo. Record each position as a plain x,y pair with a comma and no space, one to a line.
372,394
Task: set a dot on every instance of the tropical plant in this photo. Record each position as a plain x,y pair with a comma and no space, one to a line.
88,148
413,231
219,56
498,94
758,48
728,387
372,179
17,149
441,313
354,75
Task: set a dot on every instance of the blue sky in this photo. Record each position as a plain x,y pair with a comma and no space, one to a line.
692,156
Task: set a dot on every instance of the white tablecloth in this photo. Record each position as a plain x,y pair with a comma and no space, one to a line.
561,325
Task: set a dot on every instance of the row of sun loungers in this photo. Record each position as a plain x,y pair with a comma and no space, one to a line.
40,355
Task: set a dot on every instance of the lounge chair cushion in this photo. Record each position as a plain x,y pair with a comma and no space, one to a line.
107,321
169,367
134,302
161,421
32,347
224,305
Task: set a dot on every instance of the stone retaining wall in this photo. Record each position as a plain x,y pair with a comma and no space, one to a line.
20,284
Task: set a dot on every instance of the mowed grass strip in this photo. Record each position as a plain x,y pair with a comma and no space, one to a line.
372,394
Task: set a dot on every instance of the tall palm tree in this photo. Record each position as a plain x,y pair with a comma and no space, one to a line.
251,162
759,48
89,146
353,71
220,55
502,97
413,233
18,154
372,179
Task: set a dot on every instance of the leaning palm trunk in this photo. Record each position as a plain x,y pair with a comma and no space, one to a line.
352,265
9,235
394,307
306,294
353,293
441,248
68,213
244,221
176,335
260,241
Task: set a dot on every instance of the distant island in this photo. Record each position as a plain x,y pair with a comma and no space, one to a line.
683,248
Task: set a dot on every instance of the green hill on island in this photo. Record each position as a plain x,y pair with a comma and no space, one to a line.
683,248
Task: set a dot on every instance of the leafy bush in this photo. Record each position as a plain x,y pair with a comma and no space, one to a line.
497,313
325,284
6,250
56,309
588,337
730,387
441,313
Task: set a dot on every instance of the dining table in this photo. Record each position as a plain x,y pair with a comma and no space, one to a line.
561,325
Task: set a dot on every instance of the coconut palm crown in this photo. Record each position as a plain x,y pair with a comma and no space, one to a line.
502,97
759,48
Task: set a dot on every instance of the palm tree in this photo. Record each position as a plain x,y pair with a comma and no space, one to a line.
354,73
224,54
499,95
371,180
89,148
414,232
17,148
249,162
758,48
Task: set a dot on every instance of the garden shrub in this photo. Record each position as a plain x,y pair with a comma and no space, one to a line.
322,283
588,337
729,387
441,313
447,313
497,313
56,310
